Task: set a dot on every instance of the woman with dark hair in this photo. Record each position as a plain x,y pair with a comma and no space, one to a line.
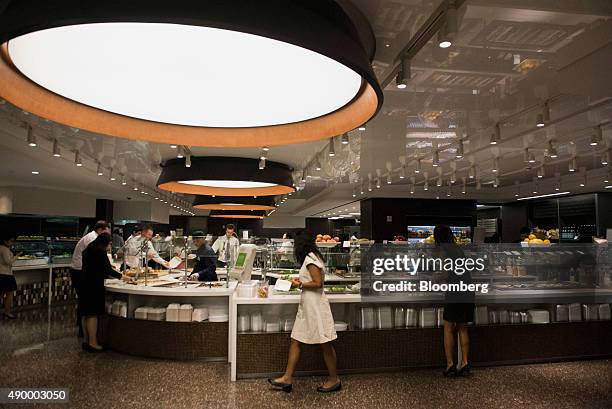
458,307
96,267
314,323
7,280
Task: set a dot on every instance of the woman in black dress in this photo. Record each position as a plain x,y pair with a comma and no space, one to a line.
96,267
458,307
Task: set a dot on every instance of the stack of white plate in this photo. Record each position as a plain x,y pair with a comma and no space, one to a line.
427,318
604,311
256,322
244,323
589,312
366,318
218,313
515,317
340,326
493,317
156,314
273,326
384,317
575,312
185,312
439,317
140,313
399,317
504,317
539,316
412,317
172,312
561,313
288,325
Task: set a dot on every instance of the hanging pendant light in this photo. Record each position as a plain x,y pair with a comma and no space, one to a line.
231,203
176,83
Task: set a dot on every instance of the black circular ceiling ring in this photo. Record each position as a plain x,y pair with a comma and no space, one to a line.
226,176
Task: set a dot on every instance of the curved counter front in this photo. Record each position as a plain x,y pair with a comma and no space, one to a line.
140,323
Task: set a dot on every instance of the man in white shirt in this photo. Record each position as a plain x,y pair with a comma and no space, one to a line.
226,247
141,247
76,266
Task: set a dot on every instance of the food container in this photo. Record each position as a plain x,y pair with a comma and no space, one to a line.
340,326
561,313
440,317
288,325
384,317
116,308
156,314
244,323
140,313
366,318
256,322
515,317
427,318
247,289
604,311
185,313
263,290
273,326
199,314
539,316
589,312
575,312
412,317
172,312
399,317
481,315
493,317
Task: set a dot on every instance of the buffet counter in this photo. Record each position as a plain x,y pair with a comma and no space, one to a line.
176,322
43,283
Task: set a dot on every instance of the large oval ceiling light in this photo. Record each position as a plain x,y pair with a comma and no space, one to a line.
237,215
225,176
234,203
216,73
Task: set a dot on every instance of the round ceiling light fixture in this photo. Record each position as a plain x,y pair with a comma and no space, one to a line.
221,74
226,176
233,203
237,214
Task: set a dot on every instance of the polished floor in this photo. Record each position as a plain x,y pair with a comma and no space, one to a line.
40,349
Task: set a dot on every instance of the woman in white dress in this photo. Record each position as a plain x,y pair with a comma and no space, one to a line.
314,323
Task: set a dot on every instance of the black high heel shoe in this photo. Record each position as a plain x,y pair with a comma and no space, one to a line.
450,371
333,388
285,387
464,370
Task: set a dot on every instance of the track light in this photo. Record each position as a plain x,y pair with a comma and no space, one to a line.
496,135
181,152
540,172
402,172
453,177
188,160
540,120
389,179
583,182
135,188
597,137
478,185
448,191
56,149
123,180
472,172
536,188
111,176
100,171
417,169
495,165
378,183
552,151
369,185
459,152
436,159
362,128
262,163
496,182
412,188
265,149
303,178
529,156
173,146
608,176
361,189
463,188
354,192
332,151
439,181
426,185
572,164
403,75
77,159
31,138
317,164
345,138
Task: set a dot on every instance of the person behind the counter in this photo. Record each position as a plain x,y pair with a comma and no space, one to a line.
96,268
76,266
7,280
118,241
226,246
141,247
206,266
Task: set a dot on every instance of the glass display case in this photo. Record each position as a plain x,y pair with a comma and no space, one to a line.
31,251
61,250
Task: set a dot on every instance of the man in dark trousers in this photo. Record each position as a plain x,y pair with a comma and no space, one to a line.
206,260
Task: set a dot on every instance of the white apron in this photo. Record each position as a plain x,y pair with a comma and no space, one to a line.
314,323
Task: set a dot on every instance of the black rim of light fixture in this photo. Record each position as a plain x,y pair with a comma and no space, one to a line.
323,26
216,214
234,203
219,169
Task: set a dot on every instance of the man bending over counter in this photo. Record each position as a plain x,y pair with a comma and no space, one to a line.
141,246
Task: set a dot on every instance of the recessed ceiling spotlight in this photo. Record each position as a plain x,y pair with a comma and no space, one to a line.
35,172
362,128
173,146
337,90
56,149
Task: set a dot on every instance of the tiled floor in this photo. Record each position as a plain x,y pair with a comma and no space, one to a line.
36,351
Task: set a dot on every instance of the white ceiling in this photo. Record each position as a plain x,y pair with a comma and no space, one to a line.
563,53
